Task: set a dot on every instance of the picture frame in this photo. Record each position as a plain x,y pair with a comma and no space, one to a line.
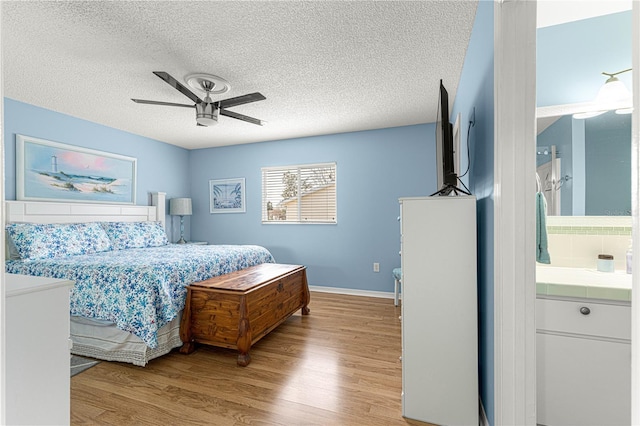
53,171
227,195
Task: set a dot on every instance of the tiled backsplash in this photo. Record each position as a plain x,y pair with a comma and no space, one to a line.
577,241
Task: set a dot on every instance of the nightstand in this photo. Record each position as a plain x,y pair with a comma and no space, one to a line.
198,243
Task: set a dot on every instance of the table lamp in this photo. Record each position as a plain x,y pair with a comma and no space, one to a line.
180,207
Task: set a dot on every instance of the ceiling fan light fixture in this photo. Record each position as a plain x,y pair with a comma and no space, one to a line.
201,82
207,111
207,114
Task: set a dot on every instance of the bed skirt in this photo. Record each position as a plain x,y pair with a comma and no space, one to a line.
103,340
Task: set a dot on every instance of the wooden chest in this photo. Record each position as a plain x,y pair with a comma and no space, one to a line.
237,309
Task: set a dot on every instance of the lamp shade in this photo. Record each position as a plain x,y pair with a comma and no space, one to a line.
180,206
613,95
613,91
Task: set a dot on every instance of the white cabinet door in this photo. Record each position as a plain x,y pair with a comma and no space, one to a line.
37,350
583,381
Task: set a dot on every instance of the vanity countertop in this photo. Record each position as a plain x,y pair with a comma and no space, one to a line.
583,283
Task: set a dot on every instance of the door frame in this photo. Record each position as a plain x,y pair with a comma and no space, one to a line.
635,212
514,218
514,212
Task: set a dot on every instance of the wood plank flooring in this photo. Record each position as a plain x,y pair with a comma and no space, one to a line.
338,366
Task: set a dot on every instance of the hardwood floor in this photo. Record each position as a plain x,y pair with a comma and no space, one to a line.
338,366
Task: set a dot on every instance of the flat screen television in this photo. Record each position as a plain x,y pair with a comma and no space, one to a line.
445,149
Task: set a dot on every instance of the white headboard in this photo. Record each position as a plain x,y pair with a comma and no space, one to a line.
54,212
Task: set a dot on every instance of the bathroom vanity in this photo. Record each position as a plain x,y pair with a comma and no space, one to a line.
583,321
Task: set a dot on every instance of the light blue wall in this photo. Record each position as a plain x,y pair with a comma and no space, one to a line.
475,93
559,134
374,169
154,158
571,57
605,180
608,165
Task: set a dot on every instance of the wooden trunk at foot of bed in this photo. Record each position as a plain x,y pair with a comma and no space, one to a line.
238,309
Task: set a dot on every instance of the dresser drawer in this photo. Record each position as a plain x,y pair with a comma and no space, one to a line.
587,318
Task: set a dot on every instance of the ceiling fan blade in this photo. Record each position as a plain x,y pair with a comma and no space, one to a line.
176,85
242,117
142,101
239,100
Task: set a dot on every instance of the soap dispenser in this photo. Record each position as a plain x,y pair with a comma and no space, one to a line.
629,256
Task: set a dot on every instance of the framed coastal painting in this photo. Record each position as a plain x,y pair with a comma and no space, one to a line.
227,195
52,171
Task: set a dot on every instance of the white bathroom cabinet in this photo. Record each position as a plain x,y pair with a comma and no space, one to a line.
439,310
583,360
37,350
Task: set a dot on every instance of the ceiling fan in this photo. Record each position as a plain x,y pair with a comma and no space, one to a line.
207,110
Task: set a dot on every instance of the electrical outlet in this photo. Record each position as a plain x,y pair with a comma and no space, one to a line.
376,267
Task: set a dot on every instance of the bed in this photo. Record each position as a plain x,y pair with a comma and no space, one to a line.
130,284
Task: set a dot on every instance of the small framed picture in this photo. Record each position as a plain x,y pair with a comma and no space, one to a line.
227,195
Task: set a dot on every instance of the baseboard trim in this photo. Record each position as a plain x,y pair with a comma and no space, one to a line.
352,292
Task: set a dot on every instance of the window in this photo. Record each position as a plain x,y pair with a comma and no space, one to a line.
299,194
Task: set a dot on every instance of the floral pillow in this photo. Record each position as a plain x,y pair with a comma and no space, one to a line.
94,237
125,235
49,240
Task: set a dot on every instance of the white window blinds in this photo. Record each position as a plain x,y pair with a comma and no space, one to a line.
299,194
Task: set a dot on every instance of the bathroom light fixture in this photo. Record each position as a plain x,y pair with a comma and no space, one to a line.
583,115
613,89
611,95
624,110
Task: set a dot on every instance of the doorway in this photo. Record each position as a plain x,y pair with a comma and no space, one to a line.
514,270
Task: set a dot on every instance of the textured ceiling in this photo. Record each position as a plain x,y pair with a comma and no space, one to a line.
325,67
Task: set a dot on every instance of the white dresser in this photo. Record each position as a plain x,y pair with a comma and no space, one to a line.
37,350
439,310
583,358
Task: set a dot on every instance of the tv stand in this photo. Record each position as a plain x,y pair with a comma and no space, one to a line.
448,189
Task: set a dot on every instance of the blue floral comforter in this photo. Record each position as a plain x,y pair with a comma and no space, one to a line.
142,289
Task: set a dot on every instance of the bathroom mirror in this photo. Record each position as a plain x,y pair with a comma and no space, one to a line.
591,174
